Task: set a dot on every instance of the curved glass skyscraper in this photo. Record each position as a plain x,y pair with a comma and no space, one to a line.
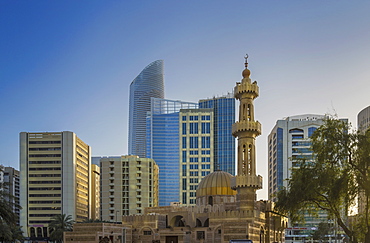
149,83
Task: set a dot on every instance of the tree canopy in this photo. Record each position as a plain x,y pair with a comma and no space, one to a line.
333,180
8,218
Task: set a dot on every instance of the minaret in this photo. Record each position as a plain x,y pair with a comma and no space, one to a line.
246,182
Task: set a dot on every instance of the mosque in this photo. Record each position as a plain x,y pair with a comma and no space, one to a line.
226,207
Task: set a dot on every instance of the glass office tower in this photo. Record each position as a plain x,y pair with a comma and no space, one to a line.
224,141
162,144
149,83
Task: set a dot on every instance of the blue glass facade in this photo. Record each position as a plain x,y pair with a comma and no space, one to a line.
149,83
224,141
162,145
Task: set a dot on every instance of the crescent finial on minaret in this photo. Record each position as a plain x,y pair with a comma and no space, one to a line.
246,60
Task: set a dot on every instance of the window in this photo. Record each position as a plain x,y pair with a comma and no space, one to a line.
194,159
184,142
206,152
184,201
206,127
183,156
193,128
204,173
147,232
206,142
193,173
206,167
184,118
193,142
311,130
194,152
193,118
193,167
206,118
184,128
184,184
206,159
297,136
184,170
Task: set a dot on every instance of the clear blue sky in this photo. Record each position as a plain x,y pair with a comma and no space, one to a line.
67,65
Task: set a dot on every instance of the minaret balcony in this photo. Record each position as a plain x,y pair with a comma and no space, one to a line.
246,126
252,181
246,88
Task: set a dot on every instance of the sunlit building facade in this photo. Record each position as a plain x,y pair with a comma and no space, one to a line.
163,145
54,179
95,192
128,185
149,83
224,142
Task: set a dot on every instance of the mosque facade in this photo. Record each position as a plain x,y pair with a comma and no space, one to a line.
226,206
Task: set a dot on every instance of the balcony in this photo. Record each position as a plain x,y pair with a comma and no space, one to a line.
253,127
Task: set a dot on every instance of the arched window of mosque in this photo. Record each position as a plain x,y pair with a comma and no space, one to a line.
210,200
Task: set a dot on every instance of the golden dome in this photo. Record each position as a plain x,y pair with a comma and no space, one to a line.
216,183
246,73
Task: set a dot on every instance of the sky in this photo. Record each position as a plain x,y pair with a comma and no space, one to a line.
67,65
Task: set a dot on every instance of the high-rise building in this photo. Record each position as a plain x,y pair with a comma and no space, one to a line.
128,185
9,179
163,145
95,192
288,142
196,151
149,83
224,142
54,179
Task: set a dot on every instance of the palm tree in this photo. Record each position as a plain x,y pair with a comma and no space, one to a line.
60,223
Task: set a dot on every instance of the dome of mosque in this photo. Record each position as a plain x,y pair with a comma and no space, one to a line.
216,183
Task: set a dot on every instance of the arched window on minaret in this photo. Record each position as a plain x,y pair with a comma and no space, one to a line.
249,159
243,112
244,160
249,112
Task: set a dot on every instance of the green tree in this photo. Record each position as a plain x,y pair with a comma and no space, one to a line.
60,223
8,218
339,173
321,231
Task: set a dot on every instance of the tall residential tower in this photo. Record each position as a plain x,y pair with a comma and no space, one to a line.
54,179
149,83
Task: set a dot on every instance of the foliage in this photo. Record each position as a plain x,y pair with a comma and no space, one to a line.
8,218
60,223
322,230
334,180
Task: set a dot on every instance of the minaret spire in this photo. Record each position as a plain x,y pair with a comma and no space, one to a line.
246,182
